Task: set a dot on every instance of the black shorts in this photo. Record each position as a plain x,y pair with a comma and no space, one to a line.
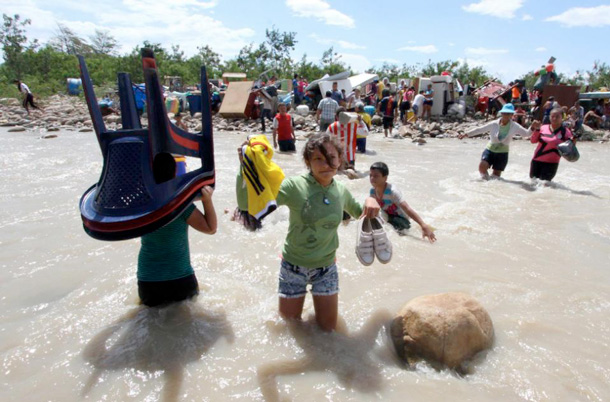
388,122
361,145
497,160
543,170
405,105
160,293
428,102
287,145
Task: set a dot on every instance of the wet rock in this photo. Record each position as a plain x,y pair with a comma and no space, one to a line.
16,129
112,118
49,136
85,130
302,110
52,128
10,102
299,119
446,329
419,141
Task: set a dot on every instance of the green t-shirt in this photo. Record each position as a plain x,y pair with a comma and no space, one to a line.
241,192
500,148
164,254
315,215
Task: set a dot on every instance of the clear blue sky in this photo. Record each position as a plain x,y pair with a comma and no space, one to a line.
507,37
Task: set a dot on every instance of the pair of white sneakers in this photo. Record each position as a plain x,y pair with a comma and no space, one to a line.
372,241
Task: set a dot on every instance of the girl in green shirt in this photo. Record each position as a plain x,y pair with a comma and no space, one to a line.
316,202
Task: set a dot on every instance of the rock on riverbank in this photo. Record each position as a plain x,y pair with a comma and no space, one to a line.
61,112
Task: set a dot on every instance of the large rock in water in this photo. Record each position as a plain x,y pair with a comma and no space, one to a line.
446,328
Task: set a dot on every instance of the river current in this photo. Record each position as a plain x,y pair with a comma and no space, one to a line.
536,257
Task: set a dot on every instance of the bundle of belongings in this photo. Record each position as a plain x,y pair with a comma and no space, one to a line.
258,182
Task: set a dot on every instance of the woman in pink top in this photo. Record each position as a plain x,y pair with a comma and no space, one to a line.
546,158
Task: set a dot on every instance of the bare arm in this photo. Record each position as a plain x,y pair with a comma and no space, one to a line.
427,231
204,222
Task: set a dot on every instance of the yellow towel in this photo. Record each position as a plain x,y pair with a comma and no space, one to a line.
263,176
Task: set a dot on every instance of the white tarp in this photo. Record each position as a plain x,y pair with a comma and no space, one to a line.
341,76
362,80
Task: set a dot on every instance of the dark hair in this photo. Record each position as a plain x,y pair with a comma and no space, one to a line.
340,110
329,94
164,167
335,83
385,92
318,142
421,92
18,83
382,167
295,75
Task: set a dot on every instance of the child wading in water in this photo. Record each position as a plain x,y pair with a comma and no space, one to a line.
165,274
391,201
316,202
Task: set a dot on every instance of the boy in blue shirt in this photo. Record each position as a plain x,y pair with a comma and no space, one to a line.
391,202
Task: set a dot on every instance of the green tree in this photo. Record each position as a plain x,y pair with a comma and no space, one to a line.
599,77
66,41
14,44
437,68
103,43
308,69
465,74
331,62
209,58
279,45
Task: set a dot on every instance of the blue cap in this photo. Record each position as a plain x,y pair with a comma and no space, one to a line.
508,108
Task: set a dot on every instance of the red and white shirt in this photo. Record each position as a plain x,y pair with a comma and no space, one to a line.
347,134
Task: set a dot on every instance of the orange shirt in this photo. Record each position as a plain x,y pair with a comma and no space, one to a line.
516,93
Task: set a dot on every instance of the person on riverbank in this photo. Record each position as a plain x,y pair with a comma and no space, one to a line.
347,131
283,130
165,274
316,202
327,108
501,132
548,136
428,102
391,202
417,105
28,98
366,118
387,108
549,105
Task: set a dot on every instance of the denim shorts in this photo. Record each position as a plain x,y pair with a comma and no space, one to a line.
294,279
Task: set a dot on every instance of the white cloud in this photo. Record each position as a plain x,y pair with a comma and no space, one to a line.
419,49
321,11
131,22
357,62
451,44
344,44
580,16
481,51
541,49
496,8
527,17
474,62
389,61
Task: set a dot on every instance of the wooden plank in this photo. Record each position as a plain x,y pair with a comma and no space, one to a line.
236,99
